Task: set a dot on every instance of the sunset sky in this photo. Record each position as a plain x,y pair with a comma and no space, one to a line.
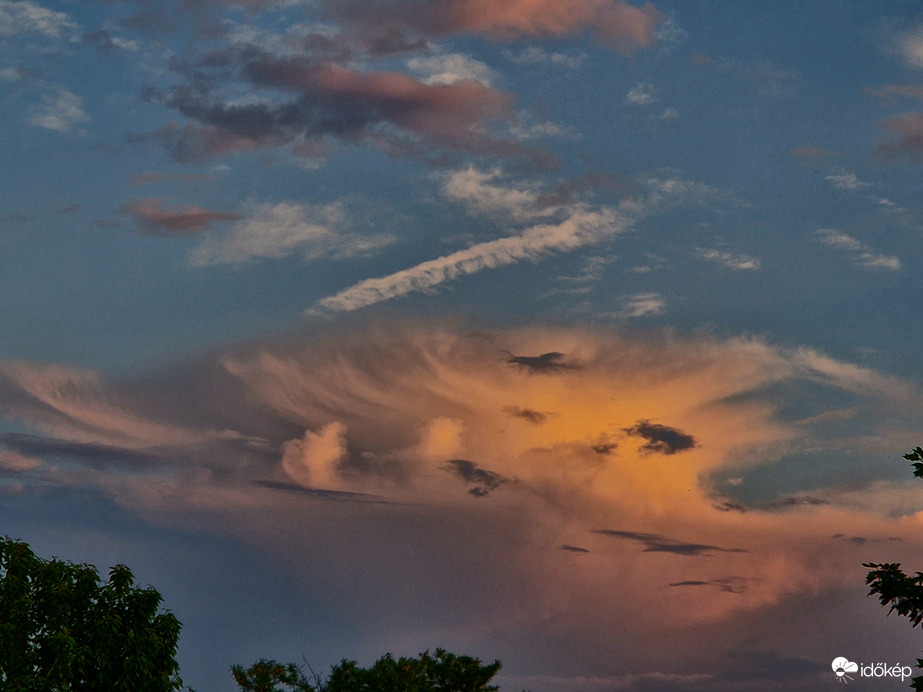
574,333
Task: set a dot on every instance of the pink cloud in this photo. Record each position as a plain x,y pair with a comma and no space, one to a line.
617,24
354,105
908,142
151,217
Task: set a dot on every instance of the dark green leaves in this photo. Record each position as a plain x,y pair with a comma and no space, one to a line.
916,454
61,630
441,672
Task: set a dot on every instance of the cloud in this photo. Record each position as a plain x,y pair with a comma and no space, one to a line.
654,543
889,93
551,362
573,549
728,259
862,255
533,55
661,439
273,231
314,460
615,24
909,47
28,17
476,190
579,225
580,228
388,110
527,414
449,68
641,305
60,112
484,481
151,217
845,180
908,139
735,585
356,447
104,40
640,95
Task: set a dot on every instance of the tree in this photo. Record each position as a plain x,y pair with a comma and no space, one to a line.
902,593
265,675
440,672
62,630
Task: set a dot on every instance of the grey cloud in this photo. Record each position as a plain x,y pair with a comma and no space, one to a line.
35,445
735,585
573,549
551,362
794,501
528,414
655,543
320,493
661,439
484,481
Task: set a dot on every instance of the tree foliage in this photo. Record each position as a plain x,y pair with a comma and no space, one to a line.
63,630
439,672
896,590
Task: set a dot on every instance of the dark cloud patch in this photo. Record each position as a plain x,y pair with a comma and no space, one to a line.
735,585
605,448
484,481
527,414
72,208
320,493
661,439
794,501
91,452
728,506
318,98
573,549
655,543
551,362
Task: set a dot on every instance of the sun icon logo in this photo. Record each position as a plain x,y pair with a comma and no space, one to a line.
841,666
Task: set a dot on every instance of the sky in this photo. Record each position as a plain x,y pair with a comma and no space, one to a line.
577,334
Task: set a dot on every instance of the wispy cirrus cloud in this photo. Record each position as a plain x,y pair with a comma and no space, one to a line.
730,260
272,231
862,255
579,225
846,180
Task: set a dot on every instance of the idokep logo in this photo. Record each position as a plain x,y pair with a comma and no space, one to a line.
842,667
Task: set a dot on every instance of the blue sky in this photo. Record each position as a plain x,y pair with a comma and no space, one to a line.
576,334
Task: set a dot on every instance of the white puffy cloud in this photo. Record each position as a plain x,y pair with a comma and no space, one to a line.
60,112
449,68
26,17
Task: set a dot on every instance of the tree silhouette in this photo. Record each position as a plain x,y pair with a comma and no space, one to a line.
62,630
900,592
439,672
